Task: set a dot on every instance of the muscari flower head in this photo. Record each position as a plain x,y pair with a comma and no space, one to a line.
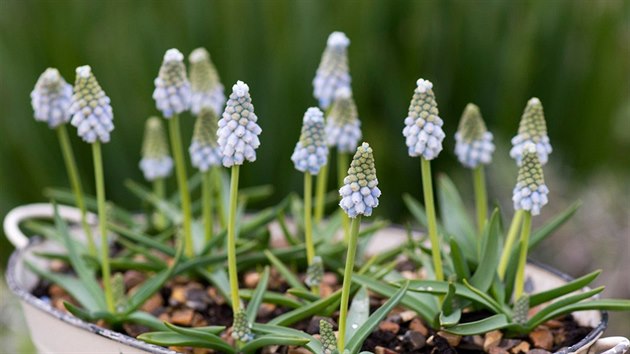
343,127
51,98
238,131
172,89
205,85
204,150
530,192
90,109
241,328
156,161
473,142
329,341
359,194
423,127
311,152
315,272
333,72
532,129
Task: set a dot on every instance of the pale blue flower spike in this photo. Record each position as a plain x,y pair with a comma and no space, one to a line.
238,132
204,149
172,89
473,142
532,130
205,84
360,193
51,98
156,161
423,126
333,72
90,109
343,127
530,192
311,151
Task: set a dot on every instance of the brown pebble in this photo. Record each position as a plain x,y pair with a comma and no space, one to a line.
297,350
164,317
407,316
542,338
202,351
330,278
507,344
417,325
199,321
498,350
522,347
416,340
183,317
135,330
178,296
492,339
153,303
452,339
251,279
215,296
538,351
325,290
478,340
388,326
266,310
383,350
553,324
407,274
57,266
58,303
132,278
56,291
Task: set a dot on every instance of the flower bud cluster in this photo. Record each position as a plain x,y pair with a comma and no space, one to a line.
343,127
530,192
359,194
473,142
51,98
311,152
241,328
90,109
204,149
156,161
423,127
333,72
206,87
172,89
532,130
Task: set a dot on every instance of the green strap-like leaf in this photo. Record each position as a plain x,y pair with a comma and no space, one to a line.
490,254
257,297
454,216
479,327
170,338
358,313
579,283
550,310
548,228
284,270
313,345
270,339
271,297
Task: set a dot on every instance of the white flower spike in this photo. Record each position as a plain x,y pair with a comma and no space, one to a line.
156,161
530,192
311,152
333,72
238,132
172,89
423,126
343,127
473,142
204,150
51,98
206,87
532,130
359,194
90,109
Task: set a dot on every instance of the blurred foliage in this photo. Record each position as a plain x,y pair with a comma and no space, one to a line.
573,55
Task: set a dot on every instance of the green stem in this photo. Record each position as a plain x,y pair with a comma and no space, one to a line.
519,282
320,193
182,183
347,282
427,186
218,186
75,183
159,189
308,224
231,242
342,169
206,196
102,224
509,243
481,197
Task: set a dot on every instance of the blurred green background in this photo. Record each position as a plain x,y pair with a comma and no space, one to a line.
573,55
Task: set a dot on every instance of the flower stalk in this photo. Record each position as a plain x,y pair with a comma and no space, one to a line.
231,241
320,193
519,281
429,204
481,197
207,196
509,242
342,162
347,281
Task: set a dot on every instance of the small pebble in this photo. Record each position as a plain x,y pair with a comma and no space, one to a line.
383,350
522,347
415,339
131,278
178,296
498,350
538,351
153,303
417,325
542,338
251,279
389,326
452,339
182,317
407,316
492,339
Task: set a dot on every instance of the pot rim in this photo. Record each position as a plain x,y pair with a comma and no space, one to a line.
26,296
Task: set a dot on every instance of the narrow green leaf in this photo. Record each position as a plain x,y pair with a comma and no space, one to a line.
146,319
270,297
314,308
454,216
459,262
208,333
550,310
359,312
257,297
219,278
141,238
548,228
303,294
169,210
66,196
451,319
490,254
168,339
269,339
286,273
579,283
313,345
354,343
495,306
441,288
479,327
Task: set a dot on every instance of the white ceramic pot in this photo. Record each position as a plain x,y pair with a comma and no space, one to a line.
55,331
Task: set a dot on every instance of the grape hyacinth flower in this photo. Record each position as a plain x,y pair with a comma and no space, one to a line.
315,272
333,72
93,117
204,149
172,97
156,163
311,152
90,109
205,85
360,190
473,145
343,127
423,126
241,328
360,195
172,89
328,339
206,155
423,136
238,140
532,130
238,131
51,98
474,149
529,196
